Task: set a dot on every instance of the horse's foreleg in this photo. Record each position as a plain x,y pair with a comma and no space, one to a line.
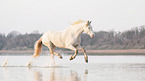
84,51
86,57
74,49
73,56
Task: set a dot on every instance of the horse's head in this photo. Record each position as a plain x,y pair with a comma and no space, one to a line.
88,29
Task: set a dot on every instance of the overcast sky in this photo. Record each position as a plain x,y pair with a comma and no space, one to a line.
43,15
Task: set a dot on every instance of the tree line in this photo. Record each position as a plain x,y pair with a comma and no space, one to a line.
129,39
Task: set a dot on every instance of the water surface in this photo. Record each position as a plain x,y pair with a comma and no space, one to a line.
99,68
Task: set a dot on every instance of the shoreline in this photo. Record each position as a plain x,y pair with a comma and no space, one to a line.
89,52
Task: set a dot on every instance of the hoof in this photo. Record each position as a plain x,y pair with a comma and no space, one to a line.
71,58
86,60
60,57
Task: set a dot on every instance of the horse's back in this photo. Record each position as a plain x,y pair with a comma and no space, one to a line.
54,37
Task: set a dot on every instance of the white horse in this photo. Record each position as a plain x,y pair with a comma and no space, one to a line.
70,38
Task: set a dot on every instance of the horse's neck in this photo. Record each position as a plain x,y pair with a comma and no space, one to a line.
77,30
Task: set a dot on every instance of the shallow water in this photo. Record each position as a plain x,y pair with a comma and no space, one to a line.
99,68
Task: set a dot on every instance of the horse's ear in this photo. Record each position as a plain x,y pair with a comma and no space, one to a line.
90,22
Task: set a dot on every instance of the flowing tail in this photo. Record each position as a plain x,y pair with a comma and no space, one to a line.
37,48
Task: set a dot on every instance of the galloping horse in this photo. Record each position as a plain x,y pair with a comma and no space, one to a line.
70,38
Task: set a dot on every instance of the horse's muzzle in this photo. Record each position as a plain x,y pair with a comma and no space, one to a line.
92,36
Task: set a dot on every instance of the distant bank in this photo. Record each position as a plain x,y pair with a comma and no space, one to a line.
89,52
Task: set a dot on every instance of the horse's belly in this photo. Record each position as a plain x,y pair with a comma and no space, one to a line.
58,44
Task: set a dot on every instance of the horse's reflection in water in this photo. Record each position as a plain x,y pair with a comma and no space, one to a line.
54,75
37,76
74,76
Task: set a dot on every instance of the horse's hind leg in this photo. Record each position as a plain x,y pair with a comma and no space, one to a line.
56,53
52,48
52,58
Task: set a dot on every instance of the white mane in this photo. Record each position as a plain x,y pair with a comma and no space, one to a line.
77,22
